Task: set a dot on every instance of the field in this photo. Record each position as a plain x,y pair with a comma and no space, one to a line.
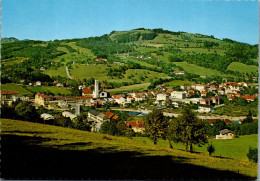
195,69
33,150
29,90
242,68
60,71
130,87
52,89
14,87
236,148
178,82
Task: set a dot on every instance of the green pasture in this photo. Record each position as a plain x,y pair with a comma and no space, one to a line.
15,87
52,89
195,69
236,148
242,68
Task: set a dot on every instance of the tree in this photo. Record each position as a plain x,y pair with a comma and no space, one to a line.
249,118
253,154
188,129
210,149
26,111
156,125
121,128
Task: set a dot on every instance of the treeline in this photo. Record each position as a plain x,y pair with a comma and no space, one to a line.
31,49
103,46
242,53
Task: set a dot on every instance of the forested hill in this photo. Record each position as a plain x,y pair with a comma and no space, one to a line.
156,50
11,39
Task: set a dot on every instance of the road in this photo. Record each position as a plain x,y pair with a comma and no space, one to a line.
233,118
68,73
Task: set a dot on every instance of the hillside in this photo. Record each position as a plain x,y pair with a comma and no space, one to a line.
34,151
149,50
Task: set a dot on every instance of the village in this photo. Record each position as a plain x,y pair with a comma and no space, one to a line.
205,98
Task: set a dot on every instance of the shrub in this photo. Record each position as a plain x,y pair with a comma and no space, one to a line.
253,154
210,149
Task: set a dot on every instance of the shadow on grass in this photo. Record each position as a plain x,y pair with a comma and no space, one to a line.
21,160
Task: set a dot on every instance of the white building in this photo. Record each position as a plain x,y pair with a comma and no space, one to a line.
67,114
46,116
162,97
103,94
38,83
178,94
205,108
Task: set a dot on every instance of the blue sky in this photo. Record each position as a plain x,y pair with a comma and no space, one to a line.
65,19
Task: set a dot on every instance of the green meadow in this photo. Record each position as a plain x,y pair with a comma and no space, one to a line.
242,68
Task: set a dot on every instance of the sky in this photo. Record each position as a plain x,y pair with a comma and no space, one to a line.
67,19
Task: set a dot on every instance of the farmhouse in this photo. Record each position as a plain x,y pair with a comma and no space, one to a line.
179,72
225,134
119,99
137,126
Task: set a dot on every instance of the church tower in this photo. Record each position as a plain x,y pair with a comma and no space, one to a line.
96,90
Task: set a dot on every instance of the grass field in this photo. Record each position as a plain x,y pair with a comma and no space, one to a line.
29,90
179,82
130,87
14,87
33,150
242,68
236,148
80,49
195,69
60,71
52,89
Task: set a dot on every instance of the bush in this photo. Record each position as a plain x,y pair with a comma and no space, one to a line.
253,154
210,149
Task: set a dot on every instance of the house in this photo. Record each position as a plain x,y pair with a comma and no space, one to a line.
111,116
86,91
176,104
46,116
185,87
129,98
101,60
178,94
137,126
205,108
225,134
249,98
203,93
119,99
59,85
199,87
162,97
38,83
42,99
96,119
179,72
67,114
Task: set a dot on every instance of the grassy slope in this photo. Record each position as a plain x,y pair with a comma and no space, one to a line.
236,148
53,89
243,68
31,89
152,157
14,87
195,69
130,87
